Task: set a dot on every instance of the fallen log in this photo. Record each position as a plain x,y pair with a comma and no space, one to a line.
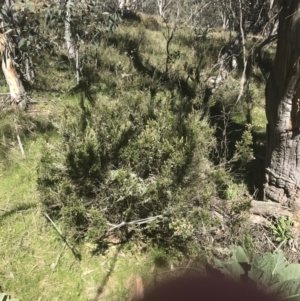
270,209
259,220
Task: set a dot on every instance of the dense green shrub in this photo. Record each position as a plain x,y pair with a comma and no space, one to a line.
126,160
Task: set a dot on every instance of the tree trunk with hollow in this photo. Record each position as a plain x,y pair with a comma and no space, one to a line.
283,112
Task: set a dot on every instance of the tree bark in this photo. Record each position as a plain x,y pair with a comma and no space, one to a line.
271,28
68,32
16,88
121,4
73,51
283,112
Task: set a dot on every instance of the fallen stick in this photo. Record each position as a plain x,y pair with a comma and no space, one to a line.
58,257
20,145
19,140
74,251
136,222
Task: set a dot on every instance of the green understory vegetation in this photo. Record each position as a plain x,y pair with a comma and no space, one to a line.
130,143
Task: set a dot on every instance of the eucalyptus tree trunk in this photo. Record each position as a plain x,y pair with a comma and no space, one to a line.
73,52
68,33
271,27
283,112
9,3
224,13
161,5
7,52
121,4
16,88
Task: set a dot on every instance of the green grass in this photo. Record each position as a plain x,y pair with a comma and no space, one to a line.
35,264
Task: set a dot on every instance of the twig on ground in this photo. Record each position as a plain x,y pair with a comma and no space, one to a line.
73,249
269,240
280,245
21,146
19,141
136,222
58,257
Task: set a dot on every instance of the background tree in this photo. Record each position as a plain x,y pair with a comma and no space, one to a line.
78,23
8,50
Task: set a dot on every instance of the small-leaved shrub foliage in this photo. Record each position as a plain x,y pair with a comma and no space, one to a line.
126,160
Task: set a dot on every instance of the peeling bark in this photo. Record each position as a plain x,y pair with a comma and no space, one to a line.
29,71
283,112
16,88
7,52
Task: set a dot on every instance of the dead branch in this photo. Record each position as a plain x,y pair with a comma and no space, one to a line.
19,140
20,145
136,222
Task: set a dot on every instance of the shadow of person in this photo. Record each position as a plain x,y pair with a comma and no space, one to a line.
198,288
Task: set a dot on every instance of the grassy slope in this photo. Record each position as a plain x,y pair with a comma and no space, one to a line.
34,264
